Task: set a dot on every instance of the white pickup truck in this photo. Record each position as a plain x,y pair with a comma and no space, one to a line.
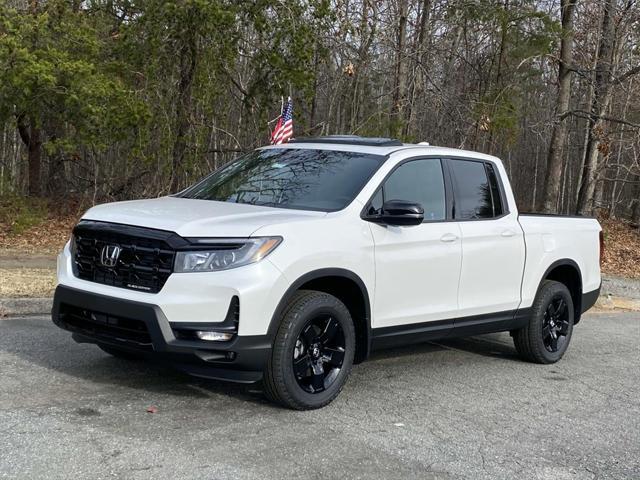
294,262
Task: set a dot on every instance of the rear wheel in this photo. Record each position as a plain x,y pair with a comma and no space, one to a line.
312,352
546,338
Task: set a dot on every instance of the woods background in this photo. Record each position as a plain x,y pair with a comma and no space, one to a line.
110,100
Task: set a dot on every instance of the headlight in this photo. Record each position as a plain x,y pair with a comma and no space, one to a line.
225,254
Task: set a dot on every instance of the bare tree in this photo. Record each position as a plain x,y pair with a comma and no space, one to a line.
598,108
555,157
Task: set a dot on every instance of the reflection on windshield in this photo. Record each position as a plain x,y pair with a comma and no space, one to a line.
323,180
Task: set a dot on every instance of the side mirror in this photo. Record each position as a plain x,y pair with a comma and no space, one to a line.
400,213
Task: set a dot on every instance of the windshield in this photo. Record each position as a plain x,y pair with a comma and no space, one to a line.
304,179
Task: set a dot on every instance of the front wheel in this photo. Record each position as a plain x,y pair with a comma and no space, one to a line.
312,353
546,338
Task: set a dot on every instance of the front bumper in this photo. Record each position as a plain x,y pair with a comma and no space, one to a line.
202,296
143,328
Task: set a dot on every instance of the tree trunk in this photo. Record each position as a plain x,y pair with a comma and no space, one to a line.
188,57
636,207
314,100
400,74
31,137
30,133
35,161
559,133
417,84
601,99
56,175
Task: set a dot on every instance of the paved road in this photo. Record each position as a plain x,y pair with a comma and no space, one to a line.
457,409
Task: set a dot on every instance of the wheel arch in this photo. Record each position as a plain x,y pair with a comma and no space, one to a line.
567,272
345,285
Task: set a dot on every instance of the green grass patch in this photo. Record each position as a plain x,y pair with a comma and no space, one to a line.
18,214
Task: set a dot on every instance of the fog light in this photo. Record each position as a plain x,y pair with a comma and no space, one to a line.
213,336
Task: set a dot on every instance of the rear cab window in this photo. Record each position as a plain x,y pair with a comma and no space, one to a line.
477,193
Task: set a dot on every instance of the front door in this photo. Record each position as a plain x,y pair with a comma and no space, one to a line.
417,267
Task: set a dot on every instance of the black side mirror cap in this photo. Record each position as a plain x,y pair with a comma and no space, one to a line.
399,213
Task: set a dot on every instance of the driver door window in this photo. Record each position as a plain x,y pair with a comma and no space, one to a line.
419,181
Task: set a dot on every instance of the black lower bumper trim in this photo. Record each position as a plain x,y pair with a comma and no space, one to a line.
143,329
589,299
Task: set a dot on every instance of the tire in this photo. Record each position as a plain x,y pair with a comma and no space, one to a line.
118,353
312,353
546,338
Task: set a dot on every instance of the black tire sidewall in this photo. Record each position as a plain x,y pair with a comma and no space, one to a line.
293,324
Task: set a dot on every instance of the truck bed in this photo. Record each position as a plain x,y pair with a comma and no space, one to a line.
550,239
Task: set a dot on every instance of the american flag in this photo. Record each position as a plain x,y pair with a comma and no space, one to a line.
284,128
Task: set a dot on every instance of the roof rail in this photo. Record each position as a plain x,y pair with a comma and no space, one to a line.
350,140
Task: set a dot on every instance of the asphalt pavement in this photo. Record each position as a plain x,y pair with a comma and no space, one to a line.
448,410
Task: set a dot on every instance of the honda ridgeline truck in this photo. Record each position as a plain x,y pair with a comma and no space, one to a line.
294,262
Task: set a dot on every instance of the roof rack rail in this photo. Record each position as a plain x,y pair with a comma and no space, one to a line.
350,140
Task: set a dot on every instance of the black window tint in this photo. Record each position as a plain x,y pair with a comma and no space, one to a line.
305,179
495,190
471,190
419,181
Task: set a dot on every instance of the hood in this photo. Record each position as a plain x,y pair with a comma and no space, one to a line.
196,218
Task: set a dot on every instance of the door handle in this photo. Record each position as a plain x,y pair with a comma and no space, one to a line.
448,237
508,233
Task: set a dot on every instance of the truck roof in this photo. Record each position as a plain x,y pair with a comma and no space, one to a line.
376,146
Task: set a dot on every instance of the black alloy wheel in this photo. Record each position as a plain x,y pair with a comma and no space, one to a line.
312,352
319,354
555,325
546,337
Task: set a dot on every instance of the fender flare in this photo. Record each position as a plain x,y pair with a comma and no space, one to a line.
274,323
559,263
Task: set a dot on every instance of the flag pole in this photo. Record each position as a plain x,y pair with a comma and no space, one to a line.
275,119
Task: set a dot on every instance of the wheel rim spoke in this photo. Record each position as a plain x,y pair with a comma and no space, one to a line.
556,324
564,327
336,356
317,379
301,366
560,339
330,331
309,334
319,354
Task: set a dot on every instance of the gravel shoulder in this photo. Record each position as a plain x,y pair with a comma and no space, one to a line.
621,287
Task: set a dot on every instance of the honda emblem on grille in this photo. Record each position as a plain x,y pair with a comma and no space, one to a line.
110,255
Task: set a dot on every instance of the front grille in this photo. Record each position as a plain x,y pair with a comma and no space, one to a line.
144,263
98,324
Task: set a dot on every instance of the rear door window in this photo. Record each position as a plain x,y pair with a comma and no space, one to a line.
473,193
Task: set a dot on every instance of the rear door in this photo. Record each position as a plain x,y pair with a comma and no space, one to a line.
493,250
417,267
